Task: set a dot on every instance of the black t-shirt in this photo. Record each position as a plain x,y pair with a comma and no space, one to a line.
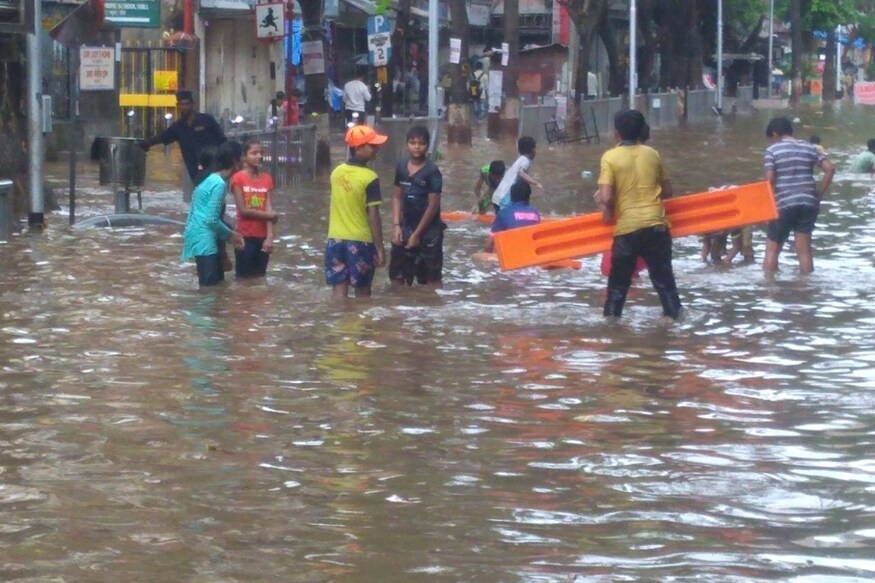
203,132
415,190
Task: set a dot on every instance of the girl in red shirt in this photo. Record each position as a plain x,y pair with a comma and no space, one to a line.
253,189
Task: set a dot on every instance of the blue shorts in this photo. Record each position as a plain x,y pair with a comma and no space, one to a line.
209,270
794,219
352,262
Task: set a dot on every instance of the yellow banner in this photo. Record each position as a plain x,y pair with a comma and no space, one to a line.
166,81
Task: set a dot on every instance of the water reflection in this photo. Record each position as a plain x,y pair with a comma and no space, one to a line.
497,431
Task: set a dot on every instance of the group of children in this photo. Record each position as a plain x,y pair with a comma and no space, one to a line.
206,231
632,186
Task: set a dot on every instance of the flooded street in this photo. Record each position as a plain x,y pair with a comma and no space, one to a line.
498,431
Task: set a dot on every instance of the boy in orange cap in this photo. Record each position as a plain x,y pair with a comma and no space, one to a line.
355,231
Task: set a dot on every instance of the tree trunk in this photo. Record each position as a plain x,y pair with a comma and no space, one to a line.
796,57
617,64
510,108
829,69
649,46
586,16
459,110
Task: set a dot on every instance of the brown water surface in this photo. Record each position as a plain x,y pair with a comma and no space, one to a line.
497,431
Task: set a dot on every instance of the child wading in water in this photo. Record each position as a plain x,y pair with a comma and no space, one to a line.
417,229
253,190
204,228
632,185
355,231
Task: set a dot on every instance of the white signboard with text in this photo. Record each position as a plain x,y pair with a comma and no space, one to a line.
96,68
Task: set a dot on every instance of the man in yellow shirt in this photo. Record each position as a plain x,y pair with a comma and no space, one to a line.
632,185
355,231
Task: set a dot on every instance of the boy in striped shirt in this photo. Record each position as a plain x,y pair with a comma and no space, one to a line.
789,165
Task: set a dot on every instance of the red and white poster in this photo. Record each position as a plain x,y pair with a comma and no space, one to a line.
96,68
864,92
313,57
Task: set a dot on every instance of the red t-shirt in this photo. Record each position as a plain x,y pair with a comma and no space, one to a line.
256,191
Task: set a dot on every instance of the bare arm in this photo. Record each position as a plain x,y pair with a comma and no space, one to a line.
397,205
267,246
531,180
478,188
605,199
434,201
829,170
376,225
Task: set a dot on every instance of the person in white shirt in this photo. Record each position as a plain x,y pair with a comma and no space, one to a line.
355,95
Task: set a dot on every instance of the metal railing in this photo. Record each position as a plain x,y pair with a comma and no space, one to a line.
289,152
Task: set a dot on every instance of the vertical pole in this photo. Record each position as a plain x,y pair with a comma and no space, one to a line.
838,59
36,216
292,113
432,58
74,123
633,49
719,56
771,34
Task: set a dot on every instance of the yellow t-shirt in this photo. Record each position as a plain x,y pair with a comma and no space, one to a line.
635,173
354,188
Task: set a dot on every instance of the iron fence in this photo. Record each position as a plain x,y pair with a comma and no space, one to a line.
289,152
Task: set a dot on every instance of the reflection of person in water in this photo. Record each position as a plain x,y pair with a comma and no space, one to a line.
269,20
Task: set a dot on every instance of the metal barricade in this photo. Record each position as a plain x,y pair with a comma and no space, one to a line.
7,220
533,119
396,146
699,104
289,152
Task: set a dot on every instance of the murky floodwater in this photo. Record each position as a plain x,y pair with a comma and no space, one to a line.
499,431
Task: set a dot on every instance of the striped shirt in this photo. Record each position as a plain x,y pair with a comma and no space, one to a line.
793,163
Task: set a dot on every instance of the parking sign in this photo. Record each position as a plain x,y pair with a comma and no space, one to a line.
379,40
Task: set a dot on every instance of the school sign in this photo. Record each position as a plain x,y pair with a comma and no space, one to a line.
134,13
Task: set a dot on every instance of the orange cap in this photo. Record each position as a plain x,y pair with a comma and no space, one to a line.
360,135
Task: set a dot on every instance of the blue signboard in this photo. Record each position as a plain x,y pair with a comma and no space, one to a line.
379,40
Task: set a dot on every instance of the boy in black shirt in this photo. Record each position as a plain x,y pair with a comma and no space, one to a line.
417,229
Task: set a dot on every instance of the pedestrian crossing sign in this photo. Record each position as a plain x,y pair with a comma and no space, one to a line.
270,20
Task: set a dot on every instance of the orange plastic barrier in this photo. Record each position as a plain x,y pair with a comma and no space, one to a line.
453,216
692,214
563,264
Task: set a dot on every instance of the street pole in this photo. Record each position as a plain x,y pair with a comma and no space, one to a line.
719,57
771,34
74,130
838,59
633,34
36,216
432,58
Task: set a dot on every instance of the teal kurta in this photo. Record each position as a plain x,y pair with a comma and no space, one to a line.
204,224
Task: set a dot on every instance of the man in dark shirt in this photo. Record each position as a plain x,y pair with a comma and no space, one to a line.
193,131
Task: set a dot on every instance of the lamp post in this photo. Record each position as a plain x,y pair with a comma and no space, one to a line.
771,34
36,216
432,58
633,34
719,57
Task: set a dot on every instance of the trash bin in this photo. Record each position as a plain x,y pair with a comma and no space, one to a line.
122,165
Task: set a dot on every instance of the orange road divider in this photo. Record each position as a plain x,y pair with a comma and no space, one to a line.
562,264
693,214
454,216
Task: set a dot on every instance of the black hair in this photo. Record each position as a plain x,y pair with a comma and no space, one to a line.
419,131
645,133
814,139
236,149
779,126
184,95
280,95
526,145
630,124
871,144
206,162
225,157
521,191
497,167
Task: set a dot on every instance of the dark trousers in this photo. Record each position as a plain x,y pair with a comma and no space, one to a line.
653,244
209,270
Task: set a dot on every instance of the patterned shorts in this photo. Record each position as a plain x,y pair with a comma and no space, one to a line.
350,261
